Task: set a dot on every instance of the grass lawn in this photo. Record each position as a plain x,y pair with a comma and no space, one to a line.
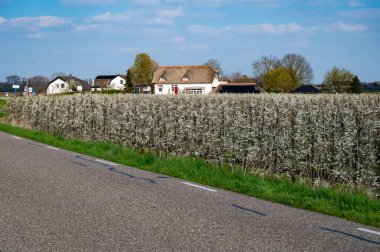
353,206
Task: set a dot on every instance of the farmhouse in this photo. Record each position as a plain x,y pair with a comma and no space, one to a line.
238,88
185,80
64,84
105,82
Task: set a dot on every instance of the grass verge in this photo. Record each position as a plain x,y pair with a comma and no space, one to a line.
351,206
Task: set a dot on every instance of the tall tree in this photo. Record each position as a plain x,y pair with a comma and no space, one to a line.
277,80
142,70
298,68
355,86
128,82
155,65
214,63
39,82
337,80
13,79
263,65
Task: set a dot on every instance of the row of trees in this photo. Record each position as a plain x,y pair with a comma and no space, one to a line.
282,75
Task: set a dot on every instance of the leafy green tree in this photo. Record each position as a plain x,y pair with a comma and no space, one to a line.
129,88
355,86
278,80
298,68
142,70
337,80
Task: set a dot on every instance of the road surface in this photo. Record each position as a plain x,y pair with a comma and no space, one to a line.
55,200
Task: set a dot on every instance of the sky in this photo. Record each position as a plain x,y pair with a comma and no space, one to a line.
87,38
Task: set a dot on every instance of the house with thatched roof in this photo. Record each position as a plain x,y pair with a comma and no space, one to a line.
106,82
64,84
185,80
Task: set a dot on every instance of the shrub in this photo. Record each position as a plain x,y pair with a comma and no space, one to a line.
324,137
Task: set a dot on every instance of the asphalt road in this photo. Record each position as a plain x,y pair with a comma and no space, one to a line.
56,200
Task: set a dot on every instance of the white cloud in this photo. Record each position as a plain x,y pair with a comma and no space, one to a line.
33,23
147,2
250,29
345,27
110,17
37,35
166,17
83,3
177,40
203,30
266,28
2,20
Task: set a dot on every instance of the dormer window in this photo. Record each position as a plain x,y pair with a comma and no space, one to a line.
162,78
185,78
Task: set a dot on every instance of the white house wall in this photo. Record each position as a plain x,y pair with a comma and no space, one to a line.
116,83
166,88
56,87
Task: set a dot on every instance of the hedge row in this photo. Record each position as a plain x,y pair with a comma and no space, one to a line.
323,137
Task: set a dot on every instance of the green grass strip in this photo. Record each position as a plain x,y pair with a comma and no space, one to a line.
353,206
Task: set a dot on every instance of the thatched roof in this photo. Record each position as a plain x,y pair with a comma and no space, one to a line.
184,74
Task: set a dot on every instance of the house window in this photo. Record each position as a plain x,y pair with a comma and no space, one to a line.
162,78
62,85
185,78
194,91
160,88
121,82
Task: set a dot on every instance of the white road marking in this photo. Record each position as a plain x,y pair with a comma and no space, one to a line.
17,137
200,187
53,148
105,162
369,231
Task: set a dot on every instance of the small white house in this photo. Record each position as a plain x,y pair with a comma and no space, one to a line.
64,84
106,82
185,80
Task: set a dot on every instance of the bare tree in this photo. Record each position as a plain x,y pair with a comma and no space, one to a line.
155,65
13,79
56,74
39,82
216,65
238,77
264,65
298,67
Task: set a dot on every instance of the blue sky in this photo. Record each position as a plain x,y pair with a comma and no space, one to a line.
91,37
